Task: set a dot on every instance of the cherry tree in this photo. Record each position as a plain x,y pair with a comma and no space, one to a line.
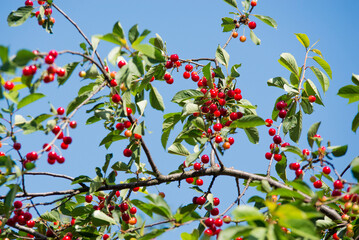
321,202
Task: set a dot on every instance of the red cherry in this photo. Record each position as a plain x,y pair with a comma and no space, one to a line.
285,144
113,83
127,152
32,156
17,204
237,97
216,201
282,113
170,81
199,182
280,105
64,146
326,170
268,155
338,184
336,193
268,122
61,72
27,216
49,78
277,139
60,111
30,223
60,159
169,65
123,206
73,124
231,140
227,219
29,3
53,53
67,140
294,166
201,200
127,124
312,98
306,152
9,85
252,25
174,58
299,172
218,222
217,113
33,69
197,166
277,157
129,111
120,126
253,3
121,63
26,71
188,67
88,198
135,189
116,98
17,146
167,76
217,127
272,132
205,159
189,180
208,232
317,184
214,212
49,59
186,75
218,139
133,210
194,77
48,11
230,93
51,161
209,222
233,116
213,108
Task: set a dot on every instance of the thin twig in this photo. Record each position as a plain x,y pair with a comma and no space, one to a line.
215,152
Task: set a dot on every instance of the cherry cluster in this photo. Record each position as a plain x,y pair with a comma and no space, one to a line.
21,217
47,13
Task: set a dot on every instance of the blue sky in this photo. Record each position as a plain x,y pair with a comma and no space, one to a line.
192,29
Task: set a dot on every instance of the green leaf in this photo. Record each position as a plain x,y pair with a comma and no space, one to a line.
76,102
153,234
186,94
289,123
288,61
252,134
168,124
141,37
254,38
303,39
9,199
281,167
355,123
22,57
234,231
317,52
234,72
233,3
248,121
222,56
190,236
355,79
150,51
99,218
268,20
322,78
107,162
120,166
355,167
81,179
69,68
48,216
293,149
160,206
287,193
178,149
18,17
142,106
311,89
338,151
158,42
325,223
228,24
156,99
190,108
277,82
324,65
295,132
247,213
311,132
301,227
110,138
193,157
351,92
112,38
207,74
29,99
4,54
133,33
117,30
